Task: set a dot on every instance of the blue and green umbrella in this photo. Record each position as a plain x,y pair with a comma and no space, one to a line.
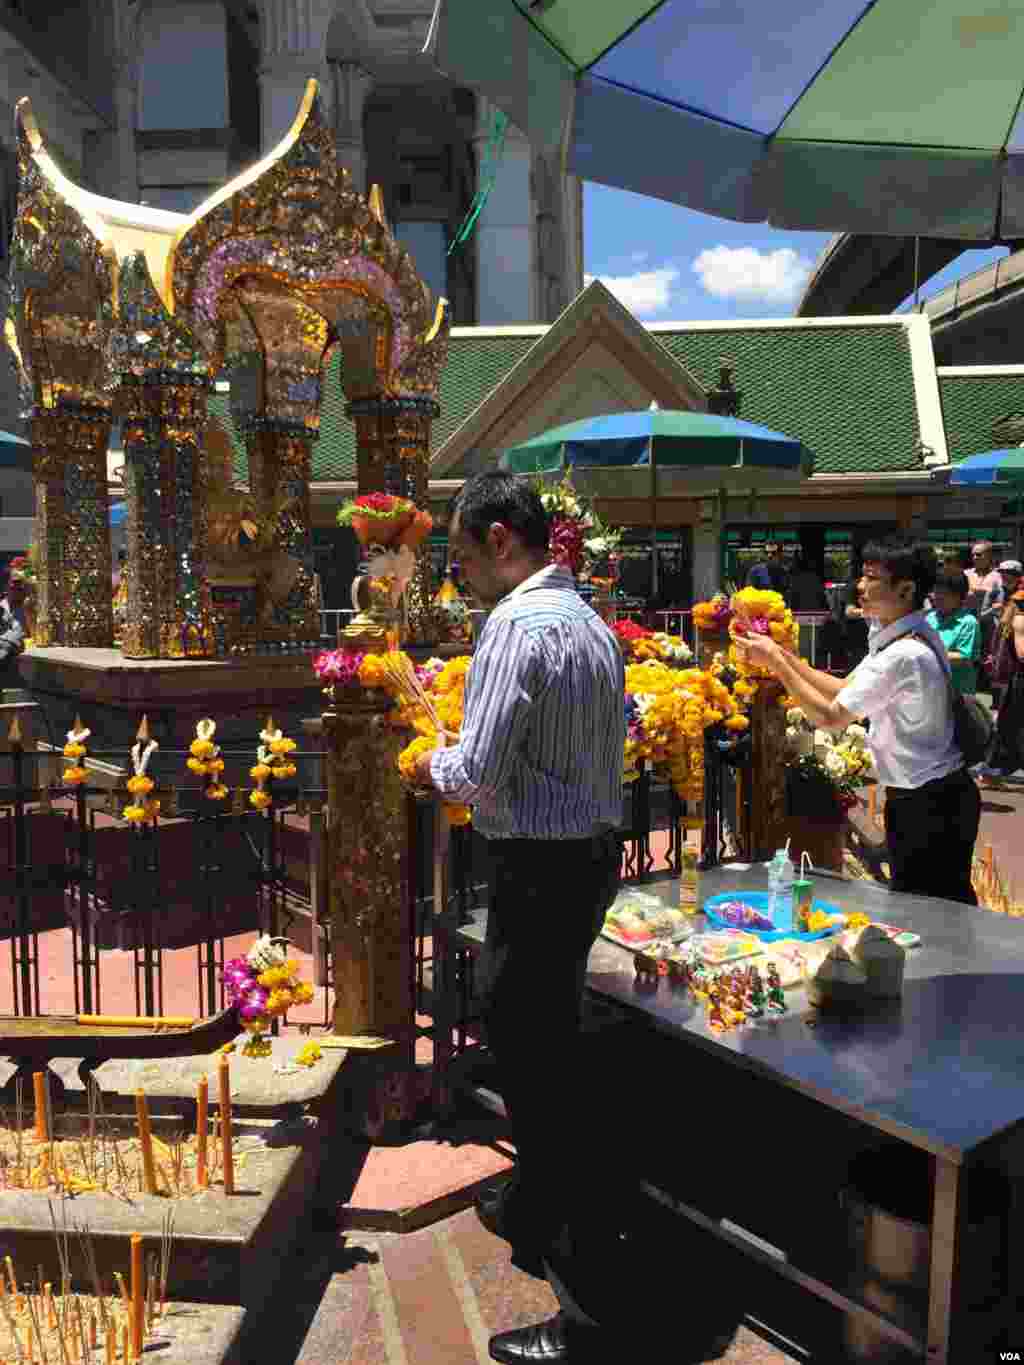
659,453
873,116
990,469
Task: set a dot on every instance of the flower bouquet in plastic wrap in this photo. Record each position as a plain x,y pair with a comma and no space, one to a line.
263,986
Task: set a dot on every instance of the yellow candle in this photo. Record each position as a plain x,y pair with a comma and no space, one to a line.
39,1086
138,1297
227,1156
146,1140
126,1343
202,1127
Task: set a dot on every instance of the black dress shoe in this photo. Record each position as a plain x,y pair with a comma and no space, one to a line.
554,1342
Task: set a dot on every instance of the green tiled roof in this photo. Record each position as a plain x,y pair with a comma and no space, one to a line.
846,392
971,406
475,366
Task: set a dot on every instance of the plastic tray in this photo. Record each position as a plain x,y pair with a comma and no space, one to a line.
758,900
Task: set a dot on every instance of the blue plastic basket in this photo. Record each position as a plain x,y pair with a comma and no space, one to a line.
758,900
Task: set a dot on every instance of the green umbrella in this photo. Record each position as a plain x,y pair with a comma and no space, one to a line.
642,454
874,116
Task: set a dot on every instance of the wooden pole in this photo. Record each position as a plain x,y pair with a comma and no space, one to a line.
138,1299
202,1130
227,1154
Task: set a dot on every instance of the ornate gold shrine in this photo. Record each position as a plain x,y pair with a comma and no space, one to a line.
121,311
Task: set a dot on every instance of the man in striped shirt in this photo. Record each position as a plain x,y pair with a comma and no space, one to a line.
540,761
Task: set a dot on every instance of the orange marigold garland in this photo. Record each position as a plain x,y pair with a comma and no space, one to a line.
144,809
205,761
74,750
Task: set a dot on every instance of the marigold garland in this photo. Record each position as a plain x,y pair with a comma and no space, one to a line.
76,773
205,760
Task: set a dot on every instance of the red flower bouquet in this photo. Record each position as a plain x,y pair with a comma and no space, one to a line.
386,520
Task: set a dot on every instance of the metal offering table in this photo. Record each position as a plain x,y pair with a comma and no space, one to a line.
940,1071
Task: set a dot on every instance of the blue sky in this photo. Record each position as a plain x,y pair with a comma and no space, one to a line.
670,264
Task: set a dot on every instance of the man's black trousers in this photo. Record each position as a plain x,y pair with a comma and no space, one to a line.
930,832
548,899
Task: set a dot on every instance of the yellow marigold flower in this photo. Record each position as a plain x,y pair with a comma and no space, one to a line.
201,748
284,770
260,772
73,776
215,765
216,791
135,815
74,750
194,765
371,671
308,1055
140,786
282,746
227,1048
302,994
152,809
737,723
279,1001
256,1047
410,754
259,799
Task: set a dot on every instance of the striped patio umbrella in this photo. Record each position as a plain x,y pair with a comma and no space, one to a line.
895,117
663,453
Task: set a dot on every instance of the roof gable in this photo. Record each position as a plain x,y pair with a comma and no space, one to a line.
595,338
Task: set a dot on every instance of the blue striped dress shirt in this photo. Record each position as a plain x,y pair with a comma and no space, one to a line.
540,754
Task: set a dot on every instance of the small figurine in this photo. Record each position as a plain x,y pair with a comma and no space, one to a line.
755,993
678,974
776,995
646,969
716,1019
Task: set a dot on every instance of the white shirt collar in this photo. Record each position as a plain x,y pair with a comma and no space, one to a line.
905,625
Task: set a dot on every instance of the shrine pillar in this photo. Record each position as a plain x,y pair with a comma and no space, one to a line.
765,830
69,463
280,468
169,612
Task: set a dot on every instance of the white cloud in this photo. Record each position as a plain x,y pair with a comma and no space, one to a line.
748,275
644,293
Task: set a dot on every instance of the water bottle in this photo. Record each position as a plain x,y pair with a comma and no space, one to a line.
780,891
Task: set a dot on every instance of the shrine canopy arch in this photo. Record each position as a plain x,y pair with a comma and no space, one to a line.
287,263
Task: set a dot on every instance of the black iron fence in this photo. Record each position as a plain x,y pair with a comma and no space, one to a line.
198,873
202,871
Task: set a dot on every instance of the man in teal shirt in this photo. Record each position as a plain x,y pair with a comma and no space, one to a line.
958,629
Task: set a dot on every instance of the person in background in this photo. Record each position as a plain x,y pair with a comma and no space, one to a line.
12,635
769,573
806,588
958,629
933,806
953,559
982,578
855,624
1011,573
1007,669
